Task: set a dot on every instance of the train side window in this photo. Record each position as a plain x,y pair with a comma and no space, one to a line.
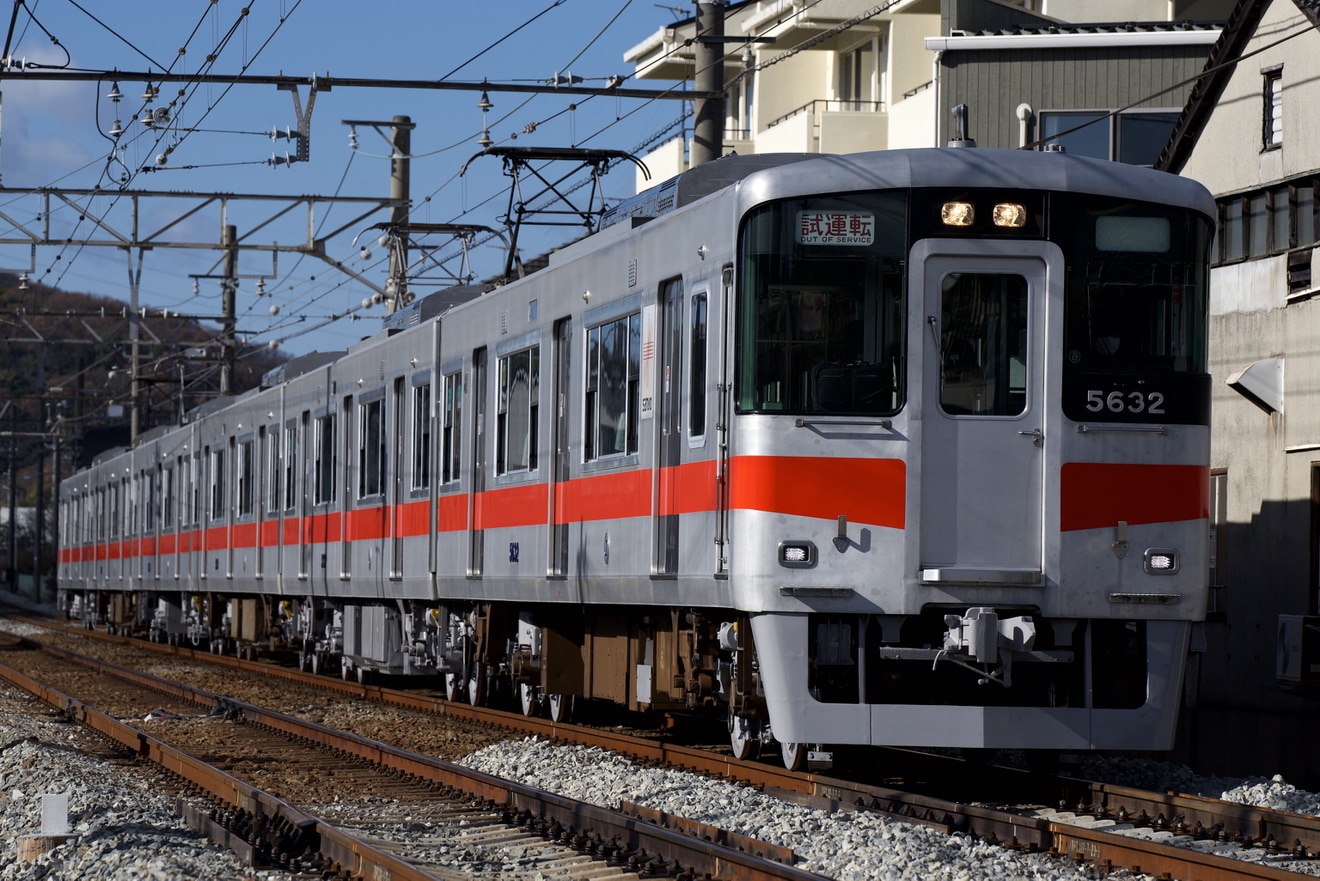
421,436
371,448
323,459
612,376
272,473
516,418
290,465
245,476
217,484
149,504
697,368
451,434
167,498
115,518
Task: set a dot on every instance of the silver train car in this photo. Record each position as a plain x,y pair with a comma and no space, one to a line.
907,447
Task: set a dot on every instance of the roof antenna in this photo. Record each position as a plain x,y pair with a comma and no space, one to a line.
961,137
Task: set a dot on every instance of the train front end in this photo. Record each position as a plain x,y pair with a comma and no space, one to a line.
969,447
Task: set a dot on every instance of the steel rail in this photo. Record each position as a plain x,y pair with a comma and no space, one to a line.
344,849
1015,831
690,845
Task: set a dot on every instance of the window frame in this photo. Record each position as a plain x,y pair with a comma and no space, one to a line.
245,478
451,427
371,417
323,458
627,322
215,487
506,407
422,430
1271,135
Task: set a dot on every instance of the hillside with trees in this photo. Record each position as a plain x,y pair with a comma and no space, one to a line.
66,390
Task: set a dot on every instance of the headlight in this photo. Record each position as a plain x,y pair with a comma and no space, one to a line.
1161,561
797,554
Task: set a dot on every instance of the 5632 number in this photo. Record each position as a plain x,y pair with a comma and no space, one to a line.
1097,401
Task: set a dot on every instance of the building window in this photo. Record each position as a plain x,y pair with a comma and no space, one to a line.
857,77
371,448
613,370
1232,231
1135,137
1141,136
451,428
323,464
1273,109
516,422
421,436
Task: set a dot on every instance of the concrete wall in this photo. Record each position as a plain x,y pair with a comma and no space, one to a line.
845,132
1243,721
790,84
912,121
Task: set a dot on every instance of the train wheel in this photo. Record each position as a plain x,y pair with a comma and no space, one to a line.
531,701
476,685
453,687
560,707
317,663
795,755
744,737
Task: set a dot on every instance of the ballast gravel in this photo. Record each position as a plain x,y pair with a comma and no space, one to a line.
126,828
123,826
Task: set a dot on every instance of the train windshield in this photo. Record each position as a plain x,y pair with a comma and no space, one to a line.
821,306
1136,310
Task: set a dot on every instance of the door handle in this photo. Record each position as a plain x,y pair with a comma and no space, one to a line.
1037,437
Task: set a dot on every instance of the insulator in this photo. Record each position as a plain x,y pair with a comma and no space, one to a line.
116,130
114,94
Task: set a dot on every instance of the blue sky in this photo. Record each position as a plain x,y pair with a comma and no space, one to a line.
52,135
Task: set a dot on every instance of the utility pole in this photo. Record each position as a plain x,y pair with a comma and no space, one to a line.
400,170
134,335
708,126
228,353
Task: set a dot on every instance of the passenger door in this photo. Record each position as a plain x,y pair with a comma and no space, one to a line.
983,410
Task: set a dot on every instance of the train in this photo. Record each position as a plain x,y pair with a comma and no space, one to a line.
908,447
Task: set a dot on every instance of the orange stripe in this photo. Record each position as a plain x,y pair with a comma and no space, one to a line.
368,524
217,538
168,543
270,533
610,496
864,490
245,535
412,519
691,488
1094,495
452,513
512,506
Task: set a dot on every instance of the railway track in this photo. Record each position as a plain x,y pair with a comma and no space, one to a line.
1164,834
272,777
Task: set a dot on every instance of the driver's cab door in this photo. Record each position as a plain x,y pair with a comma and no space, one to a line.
984,413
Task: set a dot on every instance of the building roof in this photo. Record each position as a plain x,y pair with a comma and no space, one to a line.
1109,27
